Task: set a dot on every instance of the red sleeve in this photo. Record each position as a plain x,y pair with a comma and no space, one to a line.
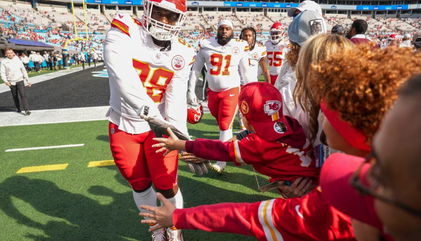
238,218
210,149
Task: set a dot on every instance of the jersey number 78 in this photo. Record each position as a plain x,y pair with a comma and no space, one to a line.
155,80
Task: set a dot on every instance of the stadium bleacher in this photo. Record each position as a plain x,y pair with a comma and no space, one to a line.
54,23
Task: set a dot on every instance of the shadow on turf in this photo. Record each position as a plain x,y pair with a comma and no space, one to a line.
83,218
103,138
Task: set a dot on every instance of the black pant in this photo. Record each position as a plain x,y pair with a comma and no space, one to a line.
37,66
19,88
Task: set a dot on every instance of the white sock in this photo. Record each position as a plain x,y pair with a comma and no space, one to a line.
147,197
177,200
225,135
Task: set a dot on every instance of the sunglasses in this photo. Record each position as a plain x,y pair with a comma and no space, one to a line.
371,189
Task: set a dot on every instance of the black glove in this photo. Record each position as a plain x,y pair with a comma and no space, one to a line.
159,126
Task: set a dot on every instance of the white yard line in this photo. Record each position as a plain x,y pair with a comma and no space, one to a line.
43,147
65,115
53,116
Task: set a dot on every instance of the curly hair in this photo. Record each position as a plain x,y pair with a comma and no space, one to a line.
292,54
363,83
316,49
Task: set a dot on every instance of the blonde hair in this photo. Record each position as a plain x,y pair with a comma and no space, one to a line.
315,50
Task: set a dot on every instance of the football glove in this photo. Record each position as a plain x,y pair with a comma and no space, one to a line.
191,98
159,126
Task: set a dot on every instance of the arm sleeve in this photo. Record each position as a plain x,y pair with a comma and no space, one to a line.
238,218
241,152
196,71
175,110
263,62
119,64
210,149
3,73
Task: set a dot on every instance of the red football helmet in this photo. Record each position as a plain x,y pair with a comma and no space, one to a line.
160,30
194,113
276,32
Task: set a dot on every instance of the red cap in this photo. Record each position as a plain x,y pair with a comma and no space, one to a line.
261,105
353,136
337,190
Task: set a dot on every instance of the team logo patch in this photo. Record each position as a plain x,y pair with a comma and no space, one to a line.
279,127
178,62
255,56
272,107
112,131
244,108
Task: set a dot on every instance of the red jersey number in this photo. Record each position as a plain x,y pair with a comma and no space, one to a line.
155,80
221,64
275,58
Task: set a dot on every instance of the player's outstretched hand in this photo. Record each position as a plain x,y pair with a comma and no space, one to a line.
161,216
191,158
197,165
300,187
169,144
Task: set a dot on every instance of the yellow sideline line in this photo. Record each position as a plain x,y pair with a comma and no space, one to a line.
44,168
101,163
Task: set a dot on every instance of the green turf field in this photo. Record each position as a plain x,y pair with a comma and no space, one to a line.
94,203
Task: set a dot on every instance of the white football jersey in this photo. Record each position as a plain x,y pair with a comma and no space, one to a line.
226,65
255,55
276,55
143,74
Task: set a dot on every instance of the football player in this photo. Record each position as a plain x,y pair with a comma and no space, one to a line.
257,54
275,49
148,67
227,63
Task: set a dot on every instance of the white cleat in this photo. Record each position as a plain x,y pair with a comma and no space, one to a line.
218,167
174,234
159,235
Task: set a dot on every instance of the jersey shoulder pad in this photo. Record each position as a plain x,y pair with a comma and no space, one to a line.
122,22
203,43
182,41
137,21
242,44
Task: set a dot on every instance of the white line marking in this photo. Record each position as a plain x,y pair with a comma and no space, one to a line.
43,147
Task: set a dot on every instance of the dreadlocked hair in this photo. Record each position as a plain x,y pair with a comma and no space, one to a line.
254,34
363,83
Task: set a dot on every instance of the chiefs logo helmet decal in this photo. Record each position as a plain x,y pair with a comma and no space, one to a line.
194,113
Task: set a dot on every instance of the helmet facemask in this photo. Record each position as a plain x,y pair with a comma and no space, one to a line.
275,36
159,30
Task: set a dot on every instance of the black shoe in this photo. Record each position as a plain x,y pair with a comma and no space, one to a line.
27,112
19,111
